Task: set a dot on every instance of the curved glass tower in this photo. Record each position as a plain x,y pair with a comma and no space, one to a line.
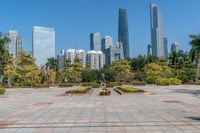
123,35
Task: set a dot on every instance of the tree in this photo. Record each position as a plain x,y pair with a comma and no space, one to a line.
52,63
195,52
123,70
4,54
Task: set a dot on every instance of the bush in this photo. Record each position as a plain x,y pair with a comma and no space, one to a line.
92,84
138,83
198,83
66,85
175,81
163,81
126,88
2,90
79,90
41,86
113,84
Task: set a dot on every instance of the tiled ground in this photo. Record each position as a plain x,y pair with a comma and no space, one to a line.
169,109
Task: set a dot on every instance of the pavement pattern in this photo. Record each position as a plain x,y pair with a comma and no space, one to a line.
161,109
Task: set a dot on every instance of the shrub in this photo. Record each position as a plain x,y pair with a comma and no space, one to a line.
41,86
198,83
2,90
79,90
92,84
66,85
175,81
138,83
163,81
113,84
126,88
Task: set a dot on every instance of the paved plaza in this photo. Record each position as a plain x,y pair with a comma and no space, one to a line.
164,109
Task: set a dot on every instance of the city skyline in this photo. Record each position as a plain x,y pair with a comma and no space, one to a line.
175,27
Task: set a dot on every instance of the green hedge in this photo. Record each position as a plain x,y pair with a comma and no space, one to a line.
41,86
126,88
66,85
168,81
79,90
2,90
113,84
92,84
138,83
198,83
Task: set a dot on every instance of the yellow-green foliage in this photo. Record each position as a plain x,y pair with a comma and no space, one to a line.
79,90
198,83
126,88
163,81
2,90
175,81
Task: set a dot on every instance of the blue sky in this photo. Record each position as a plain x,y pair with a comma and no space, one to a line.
73,20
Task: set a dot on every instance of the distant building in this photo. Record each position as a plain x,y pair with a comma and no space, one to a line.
149,50
43,44
95,59
175,47
123,33
95,41
165,47
70,55
157,38
106,42
114,53
15,43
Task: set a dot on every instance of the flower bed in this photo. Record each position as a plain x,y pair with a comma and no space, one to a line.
104,92
126,88
92,84
79,90
113,84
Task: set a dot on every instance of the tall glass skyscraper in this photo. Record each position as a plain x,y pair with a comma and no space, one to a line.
95,41
15,43
43,44
123,34
157,39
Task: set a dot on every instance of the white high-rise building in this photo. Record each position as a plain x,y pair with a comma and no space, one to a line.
15,43
81,55
157,36
106,43
70,55
95,59
175,47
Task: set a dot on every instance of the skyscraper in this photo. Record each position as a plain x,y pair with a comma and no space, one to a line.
106,43
95,41
15,43
43,44
175,47
165,46
123,34
157,38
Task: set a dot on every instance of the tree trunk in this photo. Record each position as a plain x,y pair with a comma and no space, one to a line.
1,79
9,83
198,67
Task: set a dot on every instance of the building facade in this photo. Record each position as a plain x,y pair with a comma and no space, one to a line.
123,33
43,44
157,38
95,59
175,47
114,53
165,46
15,43
106,43
149,50
95,41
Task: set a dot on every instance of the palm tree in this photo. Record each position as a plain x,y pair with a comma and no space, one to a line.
195,52
52,63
